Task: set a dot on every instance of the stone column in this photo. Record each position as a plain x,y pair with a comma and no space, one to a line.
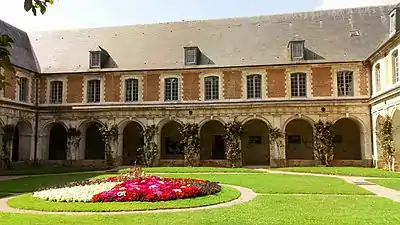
118,152
43,149
277,152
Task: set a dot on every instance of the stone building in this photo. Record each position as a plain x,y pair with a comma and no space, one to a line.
283,71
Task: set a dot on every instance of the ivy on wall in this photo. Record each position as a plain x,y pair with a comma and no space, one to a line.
148,152
324,134
73,142
232,132
191,142
109,136
386,143
8,135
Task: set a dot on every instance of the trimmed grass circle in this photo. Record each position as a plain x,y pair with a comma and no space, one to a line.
28,202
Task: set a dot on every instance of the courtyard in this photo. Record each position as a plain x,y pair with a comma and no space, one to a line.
315,195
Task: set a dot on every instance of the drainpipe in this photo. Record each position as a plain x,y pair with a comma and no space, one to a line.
36,118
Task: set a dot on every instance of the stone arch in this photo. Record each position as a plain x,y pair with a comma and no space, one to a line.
171,138
131,141
46,127
122,125
204,121
57,141
211,140
164,121
263,119
255,142
22,142
299,139
349,139
94,145
302,117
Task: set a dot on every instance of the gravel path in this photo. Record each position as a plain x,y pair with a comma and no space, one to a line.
245,196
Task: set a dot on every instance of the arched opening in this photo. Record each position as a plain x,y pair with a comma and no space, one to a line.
299,140
347,141
171,147
211,142
255,143
132,140
22,142
58,142
94,145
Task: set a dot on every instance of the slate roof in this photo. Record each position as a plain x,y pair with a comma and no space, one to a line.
260,40
22,54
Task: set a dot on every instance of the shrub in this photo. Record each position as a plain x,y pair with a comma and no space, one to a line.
324,134
232,133
148,152
386,142
191,142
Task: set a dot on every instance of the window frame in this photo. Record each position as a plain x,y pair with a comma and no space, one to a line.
92,65
395,67
392,22
59,95
255,94
377,79
297,47
345,93
26,92
88,91
213,91
173,90
195,55
298,74
135,92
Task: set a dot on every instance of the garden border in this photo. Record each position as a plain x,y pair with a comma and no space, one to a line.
246,195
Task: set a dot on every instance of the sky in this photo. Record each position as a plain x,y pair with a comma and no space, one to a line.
70,14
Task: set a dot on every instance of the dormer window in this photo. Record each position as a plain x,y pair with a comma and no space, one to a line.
296,50
95,59
393,22
191,55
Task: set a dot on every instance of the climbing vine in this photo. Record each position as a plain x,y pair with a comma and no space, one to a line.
149,150
324,134
191,142
232,133
386,142
276,137
73,142
109,136
8,135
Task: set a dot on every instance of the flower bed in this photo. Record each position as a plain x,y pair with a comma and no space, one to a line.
127,189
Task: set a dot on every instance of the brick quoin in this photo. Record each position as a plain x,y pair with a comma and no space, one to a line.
190,85
363,80
75,88
232,84
322,81
151,87
42,90
112,87
276,82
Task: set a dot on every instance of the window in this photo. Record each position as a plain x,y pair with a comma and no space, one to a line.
171,89
191,55
345,85
254,86
395,62
56,92
294,139
95,59
393,22
297,50
93,91
211,88
131,90
378,77
23,89
298,84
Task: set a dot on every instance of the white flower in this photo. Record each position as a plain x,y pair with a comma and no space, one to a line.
121,193
177,190
74,194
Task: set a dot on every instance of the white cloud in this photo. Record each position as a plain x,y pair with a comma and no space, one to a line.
337,4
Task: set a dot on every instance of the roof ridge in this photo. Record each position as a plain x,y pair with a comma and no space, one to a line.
215,19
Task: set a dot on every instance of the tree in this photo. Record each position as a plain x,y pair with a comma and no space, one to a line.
386,143
6,41
324,133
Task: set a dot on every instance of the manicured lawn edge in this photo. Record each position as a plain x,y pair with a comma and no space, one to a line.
28,202
388,183
196,170
49,170
344,171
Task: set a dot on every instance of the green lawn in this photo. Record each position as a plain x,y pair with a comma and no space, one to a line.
389,183
30,184
196,170
347,171
281,184
272,210
27,201
47,170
